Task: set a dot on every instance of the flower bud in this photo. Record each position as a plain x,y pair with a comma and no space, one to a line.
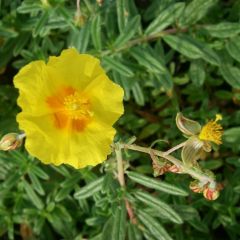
10,141
159,169
196,187
174,169
210,193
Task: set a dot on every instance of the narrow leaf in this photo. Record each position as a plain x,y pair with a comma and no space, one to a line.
165,18
159,206
196,10
119,67
40,23
138,94
223,30
90,189
147,60
96,32
128,32
119,223
233,48
33,196
197,73
153,225
156,184
231,74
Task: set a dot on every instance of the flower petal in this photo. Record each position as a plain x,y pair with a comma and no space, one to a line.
191,151
187,126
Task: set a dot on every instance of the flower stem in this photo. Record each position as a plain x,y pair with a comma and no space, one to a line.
174,148
121,179
201,176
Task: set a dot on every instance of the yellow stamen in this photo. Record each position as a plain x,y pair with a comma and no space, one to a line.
212,131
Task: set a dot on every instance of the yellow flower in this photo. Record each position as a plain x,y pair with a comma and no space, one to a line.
200,138
68,108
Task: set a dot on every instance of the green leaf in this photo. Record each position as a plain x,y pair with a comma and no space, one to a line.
197,73
231,74
138,94
42,21
166,18
30,7
96,32
195,10
119,223
33,196
80,38
159,206
39,172
223,30
211,164
121,14
107,229
233,48
71,181
128,32
21,41
36,183
89,189
156,184
149,130
147,60
232,135
153,225
118,66
133,232
7,33
192,48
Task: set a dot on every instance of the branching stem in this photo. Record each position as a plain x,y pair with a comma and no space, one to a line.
197,174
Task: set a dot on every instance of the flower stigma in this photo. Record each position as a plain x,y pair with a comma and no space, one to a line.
212,131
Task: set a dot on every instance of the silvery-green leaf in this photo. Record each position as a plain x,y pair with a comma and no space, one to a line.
191,151
187,126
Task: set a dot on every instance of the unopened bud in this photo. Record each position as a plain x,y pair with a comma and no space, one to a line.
99,2
210,194
196,187
79,20
174,169
160,169
10,141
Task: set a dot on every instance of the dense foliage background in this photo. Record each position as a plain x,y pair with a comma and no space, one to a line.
169,56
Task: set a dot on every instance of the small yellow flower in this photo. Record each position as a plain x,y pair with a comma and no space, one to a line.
68,108
212,131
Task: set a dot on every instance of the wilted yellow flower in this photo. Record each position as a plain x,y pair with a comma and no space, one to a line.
68,108
200,138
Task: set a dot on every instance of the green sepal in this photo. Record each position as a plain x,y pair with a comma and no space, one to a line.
187,126
191,151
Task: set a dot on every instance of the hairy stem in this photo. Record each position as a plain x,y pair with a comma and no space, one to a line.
201,176
121,179
174,148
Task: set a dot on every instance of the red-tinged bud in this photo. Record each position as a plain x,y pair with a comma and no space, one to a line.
196,187
174,169
160,170
10,141
210,194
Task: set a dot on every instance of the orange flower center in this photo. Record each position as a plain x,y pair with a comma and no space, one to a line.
71,109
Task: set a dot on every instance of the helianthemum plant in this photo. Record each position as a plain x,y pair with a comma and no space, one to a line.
69,106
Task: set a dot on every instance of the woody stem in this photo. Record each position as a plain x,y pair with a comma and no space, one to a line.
121,180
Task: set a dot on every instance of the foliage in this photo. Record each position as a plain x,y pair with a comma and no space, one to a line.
169,56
